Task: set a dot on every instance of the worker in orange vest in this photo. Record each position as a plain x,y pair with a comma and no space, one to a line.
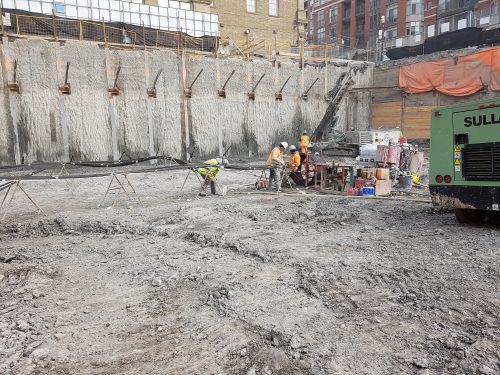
294,161
276,162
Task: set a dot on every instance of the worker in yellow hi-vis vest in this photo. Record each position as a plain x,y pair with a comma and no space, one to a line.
304,142
209,174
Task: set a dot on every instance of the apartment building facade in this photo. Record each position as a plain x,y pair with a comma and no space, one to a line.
383,24
279,24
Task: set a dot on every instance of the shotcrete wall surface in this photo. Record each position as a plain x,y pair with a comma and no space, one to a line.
41,124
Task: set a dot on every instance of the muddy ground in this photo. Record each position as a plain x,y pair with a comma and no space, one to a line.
242,284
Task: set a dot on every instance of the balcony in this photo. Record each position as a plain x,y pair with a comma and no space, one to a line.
406,41
451,7
391,22
487,18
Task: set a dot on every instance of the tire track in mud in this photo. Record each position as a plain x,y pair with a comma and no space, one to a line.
376,298
340,303
411,290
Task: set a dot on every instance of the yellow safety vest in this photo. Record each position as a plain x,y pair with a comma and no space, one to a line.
212,171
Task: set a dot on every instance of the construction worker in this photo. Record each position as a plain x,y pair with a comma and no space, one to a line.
294,161
209,174
275,160
294,165
304,142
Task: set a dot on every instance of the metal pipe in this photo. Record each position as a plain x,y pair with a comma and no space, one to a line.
258,82
310,87
54,24
227,80
375,88
282,87
117,74
67,72
156,79
143,36
201,71
1,14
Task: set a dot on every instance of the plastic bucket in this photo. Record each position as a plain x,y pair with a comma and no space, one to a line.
368,191
407,182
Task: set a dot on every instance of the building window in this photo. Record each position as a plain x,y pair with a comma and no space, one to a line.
431,29
444,5
461,23
251,6
333,21
392,14
321,26
347,12
415,7
391,33
273,8
374,14
60,8
414,28
321,35
429,5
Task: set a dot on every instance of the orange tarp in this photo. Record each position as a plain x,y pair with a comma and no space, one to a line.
455,76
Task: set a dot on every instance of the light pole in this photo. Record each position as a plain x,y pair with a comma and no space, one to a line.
382,22
247,33
275,32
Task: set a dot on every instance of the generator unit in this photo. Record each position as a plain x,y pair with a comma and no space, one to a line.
464,170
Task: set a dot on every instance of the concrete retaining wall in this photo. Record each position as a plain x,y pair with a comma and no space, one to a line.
41,124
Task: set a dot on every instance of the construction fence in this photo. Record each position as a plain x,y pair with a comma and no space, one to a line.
126,35
337,51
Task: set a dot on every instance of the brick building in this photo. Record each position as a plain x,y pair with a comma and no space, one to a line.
383,24
270,22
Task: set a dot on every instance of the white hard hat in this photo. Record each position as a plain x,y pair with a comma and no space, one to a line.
284,145
222,161
293,148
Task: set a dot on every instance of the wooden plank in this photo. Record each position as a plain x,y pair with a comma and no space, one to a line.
417,119
418,122
386,115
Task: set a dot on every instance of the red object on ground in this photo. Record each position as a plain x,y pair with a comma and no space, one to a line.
352,191
382,154
394,154
360,183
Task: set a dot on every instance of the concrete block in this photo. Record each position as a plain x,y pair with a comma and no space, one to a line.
383,187
382,173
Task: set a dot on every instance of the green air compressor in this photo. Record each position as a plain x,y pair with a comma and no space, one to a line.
464,170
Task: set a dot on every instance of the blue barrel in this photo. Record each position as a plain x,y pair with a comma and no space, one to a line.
368,191
407,182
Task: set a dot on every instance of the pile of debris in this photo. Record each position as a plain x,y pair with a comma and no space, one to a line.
387,165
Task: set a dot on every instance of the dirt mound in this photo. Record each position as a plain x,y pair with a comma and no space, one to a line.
62,226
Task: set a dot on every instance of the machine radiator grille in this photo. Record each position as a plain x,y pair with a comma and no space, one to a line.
481,162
